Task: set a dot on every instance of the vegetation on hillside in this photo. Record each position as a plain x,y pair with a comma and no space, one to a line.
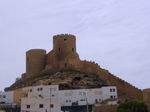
133,106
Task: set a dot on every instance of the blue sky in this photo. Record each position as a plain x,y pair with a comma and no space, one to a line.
113,33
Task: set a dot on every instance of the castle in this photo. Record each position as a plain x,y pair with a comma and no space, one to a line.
63,57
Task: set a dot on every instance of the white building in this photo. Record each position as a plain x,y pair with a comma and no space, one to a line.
51,99
41,99
7,97
37,104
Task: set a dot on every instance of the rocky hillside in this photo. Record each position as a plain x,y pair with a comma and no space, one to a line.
66,80
77,80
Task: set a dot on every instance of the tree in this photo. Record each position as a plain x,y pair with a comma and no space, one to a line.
132,106
17,79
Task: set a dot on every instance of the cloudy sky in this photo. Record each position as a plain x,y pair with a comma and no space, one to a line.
114,33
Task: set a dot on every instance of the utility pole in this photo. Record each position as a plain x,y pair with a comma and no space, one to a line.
50,99
87,107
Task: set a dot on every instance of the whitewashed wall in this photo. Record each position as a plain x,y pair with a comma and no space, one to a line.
48,95
35,102
109,91
7,97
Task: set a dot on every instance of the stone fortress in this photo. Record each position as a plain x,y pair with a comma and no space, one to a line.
63,59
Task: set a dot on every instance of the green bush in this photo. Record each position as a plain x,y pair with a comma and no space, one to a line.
133,106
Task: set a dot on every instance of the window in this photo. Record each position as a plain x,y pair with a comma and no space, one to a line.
41,106
110,90
111,97
68,101
59,49
113,90
72,49
96,101
39,89
51,105
2,102
4,96
28,106
65,39
30,90
49,83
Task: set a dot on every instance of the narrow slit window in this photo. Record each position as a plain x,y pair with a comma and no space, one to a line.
72,49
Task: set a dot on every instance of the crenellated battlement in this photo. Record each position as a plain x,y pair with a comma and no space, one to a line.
64,36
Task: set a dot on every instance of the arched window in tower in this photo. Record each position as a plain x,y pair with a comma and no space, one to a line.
59,49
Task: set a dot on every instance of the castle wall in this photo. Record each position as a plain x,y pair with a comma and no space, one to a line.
74,64
90,67
146,97
124,88
35,62
83,66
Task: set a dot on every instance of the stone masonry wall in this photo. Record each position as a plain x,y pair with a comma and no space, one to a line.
146,97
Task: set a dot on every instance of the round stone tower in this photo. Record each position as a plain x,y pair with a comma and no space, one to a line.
35,62
64,46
